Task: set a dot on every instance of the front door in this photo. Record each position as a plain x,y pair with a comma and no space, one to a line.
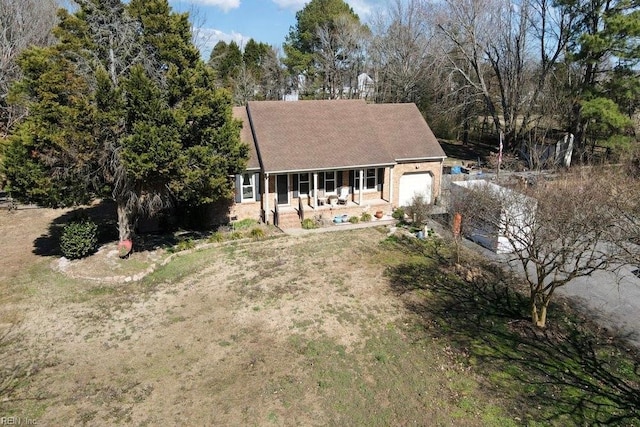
282,189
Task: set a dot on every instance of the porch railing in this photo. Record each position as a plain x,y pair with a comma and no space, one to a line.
300,209
276,212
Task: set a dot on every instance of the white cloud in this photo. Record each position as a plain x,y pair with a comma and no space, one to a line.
206,39
225,5
362,7
291,4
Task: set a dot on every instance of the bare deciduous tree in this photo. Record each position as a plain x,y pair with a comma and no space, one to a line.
556,231
340,55
402,51
506,53
244,86
23,23
273,81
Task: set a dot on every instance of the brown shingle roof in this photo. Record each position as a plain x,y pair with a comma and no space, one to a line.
404,132
315,135
246,136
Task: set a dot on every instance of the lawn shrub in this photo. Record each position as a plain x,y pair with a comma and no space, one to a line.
419,209
79,239
186,244
309,224
216,237
354,220
257,233
244,224
236,235
366,217
398,214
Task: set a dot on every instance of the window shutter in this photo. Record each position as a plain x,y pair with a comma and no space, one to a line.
295,185
339,181
238,188
380,179
352,180
321,181
257,186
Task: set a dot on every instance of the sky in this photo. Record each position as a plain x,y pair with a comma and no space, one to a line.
265,21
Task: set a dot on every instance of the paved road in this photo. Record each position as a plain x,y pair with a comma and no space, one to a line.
615,299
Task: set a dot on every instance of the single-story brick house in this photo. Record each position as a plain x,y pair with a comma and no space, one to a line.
309,155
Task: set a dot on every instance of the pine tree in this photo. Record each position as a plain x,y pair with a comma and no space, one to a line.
304,46
605,45
122,106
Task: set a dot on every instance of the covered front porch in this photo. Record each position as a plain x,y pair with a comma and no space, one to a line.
323,193
291,216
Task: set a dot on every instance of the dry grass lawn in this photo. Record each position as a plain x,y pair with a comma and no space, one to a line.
285,331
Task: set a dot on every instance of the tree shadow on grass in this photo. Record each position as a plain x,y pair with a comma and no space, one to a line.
105,216
573,372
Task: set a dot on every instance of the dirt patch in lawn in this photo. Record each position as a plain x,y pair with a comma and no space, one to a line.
20,229
287,331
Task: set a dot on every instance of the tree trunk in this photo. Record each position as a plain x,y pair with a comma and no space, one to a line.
577,128
539,315
124,221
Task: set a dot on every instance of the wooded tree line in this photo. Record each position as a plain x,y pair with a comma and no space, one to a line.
526,68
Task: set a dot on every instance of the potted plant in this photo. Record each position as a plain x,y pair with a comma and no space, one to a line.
124,248
379,214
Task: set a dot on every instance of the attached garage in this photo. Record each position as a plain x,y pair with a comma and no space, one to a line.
412,184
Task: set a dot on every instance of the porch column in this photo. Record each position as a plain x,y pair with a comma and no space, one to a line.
266,198
391,185
315,190
361,185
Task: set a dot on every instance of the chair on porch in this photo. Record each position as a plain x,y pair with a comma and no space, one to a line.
322,198
343,195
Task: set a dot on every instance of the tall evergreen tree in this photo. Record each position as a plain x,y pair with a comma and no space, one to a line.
254,57
606,48
226,60
122,106
319,33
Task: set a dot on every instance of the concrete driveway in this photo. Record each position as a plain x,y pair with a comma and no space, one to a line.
612,298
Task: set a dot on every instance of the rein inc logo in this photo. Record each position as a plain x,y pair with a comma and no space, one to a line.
17,421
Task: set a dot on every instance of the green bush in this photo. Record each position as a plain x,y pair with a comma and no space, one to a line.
366,217
244,224
398,214
184,245
216,237
236,235
79,239
257,233
354,220
309,224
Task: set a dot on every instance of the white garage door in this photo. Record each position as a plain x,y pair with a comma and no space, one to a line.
412,184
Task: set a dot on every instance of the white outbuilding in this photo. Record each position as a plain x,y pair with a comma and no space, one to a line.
504,230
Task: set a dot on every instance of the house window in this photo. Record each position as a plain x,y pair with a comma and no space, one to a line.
303,184
248,186
330,182
370,179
